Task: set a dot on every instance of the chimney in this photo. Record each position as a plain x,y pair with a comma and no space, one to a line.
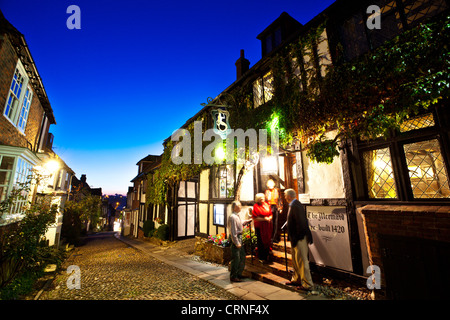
83,178
242,65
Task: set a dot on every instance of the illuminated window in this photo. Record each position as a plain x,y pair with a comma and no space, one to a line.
219,214
19,100
418,10
379,174
223,181
263,89
419,122
426,169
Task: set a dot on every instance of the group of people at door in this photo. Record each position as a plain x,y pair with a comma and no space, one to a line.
265,216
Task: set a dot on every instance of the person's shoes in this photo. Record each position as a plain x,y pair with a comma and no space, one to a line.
235,280
307,289
242,277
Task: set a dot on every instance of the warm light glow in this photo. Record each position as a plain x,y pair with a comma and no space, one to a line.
269,165
274,123
220,153
51,166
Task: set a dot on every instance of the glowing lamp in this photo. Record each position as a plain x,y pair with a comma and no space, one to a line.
51,166
269,165
220,153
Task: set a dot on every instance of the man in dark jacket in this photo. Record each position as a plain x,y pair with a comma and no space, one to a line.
300,236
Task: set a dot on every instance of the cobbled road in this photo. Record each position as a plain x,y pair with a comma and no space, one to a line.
111,270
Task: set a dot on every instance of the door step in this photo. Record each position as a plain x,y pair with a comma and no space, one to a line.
272,273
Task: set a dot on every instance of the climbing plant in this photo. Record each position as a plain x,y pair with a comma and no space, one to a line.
367,97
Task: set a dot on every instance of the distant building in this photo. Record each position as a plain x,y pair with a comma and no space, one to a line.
140,212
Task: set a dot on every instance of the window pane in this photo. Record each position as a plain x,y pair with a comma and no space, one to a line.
268,86
223,181
257,93
418,10
219,214
379,174
419,122
353,36
391,24
426,170
4,177
24,110
7,163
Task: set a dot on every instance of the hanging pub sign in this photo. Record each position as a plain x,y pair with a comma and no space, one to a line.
221,124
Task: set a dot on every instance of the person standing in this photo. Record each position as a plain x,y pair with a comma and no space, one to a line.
300,236
273,199
262,219
238,254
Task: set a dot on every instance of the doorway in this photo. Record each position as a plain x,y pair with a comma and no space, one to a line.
187,208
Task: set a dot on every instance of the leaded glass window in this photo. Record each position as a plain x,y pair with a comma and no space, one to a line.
223,181
426,169
419,122
379,174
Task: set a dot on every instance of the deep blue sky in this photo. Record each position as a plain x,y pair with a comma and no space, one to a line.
137,70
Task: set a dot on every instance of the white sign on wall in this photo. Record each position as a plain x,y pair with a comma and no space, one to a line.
331,243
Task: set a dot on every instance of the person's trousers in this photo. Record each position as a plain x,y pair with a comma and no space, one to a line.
276,231
237,261
300,262
263,249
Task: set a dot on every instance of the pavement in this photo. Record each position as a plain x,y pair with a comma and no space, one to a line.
248,289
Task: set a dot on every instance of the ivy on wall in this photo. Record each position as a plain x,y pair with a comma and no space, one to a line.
366,97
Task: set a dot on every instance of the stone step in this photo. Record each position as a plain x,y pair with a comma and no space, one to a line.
279,246
272,267
280,257
273,273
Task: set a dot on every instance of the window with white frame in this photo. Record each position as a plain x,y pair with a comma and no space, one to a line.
219,214
15,172
19,99
6,169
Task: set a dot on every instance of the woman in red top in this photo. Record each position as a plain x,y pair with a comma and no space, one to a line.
262,219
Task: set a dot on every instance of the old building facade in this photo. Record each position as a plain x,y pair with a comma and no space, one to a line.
25,140
379,201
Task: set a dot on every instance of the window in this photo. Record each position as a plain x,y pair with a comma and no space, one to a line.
417,10
223,186
263,89
426,169
15,172
379,174
6,167
396,17
272,41
19,100
22,179
413,164
219,214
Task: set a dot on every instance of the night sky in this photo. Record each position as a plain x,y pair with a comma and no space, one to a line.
137,70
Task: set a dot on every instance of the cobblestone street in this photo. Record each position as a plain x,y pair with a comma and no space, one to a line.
110,269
